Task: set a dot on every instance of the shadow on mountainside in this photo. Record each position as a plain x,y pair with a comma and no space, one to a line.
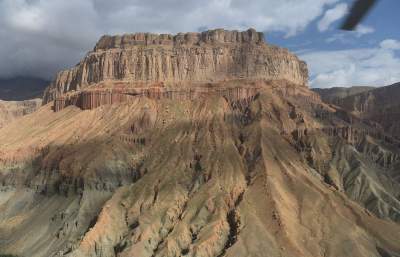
69,184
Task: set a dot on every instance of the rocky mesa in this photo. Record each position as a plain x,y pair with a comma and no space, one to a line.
179,60
195,145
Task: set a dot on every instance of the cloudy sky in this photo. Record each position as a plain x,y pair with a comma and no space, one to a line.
40,37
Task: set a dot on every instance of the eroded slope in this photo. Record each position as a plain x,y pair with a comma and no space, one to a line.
380,105
210,176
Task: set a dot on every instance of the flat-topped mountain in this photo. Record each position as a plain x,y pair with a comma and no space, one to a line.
200,145
210,56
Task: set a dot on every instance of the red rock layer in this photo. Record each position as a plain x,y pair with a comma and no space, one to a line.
90,99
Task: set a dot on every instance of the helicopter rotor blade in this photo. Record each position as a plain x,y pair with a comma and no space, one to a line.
358,11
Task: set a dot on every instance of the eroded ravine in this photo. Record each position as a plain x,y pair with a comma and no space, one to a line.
253,166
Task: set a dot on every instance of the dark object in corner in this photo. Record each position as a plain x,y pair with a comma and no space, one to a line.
357,13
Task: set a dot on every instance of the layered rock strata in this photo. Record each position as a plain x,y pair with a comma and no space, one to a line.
198,177
90,99
250,166
209,56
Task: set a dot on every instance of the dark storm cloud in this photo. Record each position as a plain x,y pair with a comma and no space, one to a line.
40,37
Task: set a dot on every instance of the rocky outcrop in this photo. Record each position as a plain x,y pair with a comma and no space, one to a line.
229,155
218,36
196,177
210,56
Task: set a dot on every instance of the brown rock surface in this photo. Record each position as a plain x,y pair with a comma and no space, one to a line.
241,167
99,95
380,105
197,177
209,56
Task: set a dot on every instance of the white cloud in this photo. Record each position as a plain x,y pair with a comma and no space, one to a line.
362,30
346,37
338,37
355,67
390,44
332,15
40,37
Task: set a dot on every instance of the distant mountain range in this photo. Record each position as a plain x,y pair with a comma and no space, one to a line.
335,93
379,105
22,88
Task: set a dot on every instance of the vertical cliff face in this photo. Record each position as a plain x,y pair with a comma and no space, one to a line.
209,56
90,99
202,145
